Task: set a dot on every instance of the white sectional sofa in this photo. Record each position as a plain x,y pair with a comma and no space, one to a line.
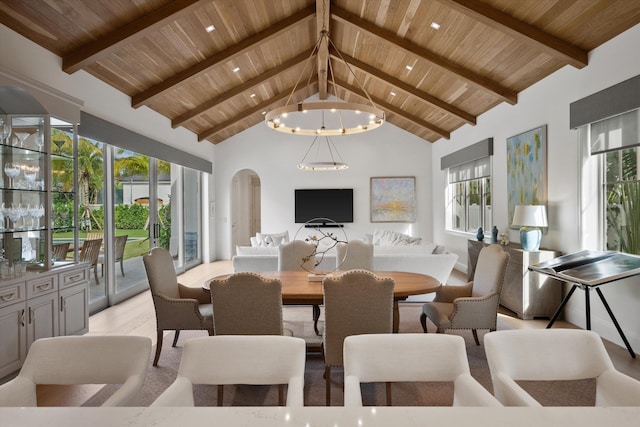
419,257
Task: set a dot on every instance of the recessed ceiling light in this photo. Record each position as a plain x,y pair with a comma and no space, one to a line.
210,28
235,70
393,94
253,95
409,67
435,25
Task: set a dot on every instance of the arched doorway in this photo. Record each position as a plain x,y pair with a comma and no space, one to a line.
245,207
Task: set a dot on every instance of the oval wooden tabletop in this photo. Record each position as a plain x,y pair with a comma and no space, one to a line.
296,285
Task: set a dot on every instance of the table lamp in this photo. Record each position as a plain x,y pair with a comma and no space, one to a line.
530,219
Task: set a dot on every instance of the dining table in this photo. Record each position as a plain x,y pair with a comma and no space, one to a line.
299,287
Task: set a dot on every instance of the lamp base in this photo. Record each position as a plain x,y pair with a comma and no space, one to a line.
530,238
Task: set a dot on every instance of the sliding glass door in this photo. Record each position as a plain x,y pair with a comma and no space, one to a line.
130,223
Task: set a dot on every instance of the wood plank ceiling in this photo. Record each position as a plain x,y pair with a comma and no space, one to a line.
428,81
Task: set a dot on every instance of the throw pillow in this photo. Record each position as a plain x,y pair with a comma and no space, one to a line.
439,249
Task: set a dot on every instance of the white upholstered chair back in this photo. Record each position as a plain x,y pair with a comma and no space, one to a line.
296,255
231,359
555,354
355,254
82,360
411,358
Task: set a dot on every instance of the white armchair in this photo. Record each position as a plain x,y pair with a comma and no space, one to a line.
239,359
409,358
82,360
554,354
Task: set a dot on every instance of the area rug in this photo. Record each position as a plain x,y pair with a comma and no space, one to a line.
298,320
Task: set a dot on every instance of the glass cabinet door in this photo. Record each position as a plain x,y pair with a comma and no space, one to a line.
24,197
32,205
63,205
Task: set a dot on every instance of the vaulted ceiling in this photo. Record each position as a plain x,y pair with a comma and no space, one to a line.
428,81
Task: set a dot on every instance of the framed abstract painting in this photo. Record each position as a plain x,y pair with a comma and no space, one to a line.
393,199
527,169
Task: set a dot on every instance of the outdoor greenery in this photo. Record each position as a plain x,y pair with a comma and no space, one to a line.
623,201
131,219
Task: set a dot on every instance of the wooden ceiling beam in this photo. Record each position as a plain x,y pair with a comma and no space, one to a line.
481,82
322,24
392,108
283,96
95,50
213,103
226,55
521,31
409,89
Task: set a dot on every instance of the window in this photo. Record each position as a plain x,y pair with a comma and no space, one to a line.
616,140
469,187
470,205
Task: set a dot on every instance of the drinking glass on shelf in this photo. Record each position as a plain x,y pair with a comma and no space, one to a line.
32,211
21,137
14,216
5,214
5,130
12,170
59,143
38,213
30,174
40,141
23,211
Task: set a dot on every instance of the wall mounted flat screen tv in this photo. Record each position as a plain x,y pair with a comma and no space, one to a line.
332,203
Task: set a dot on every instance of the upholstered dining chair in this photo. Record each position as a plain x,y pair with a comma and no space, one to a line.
89,253
296,255
247,304
69,360
355,254
299,255
355,302
554,355
120,242
60,251
178,307
239,359
411,358
474,305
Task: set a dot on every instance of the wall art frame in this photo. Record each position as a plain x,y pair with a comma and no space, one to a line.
526,169
393,199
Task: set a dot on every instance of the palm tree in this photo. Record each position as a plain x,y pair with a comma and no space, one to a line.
137,164
90,160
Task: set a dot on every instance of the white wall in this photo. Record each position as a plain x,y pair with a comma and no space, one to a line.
547,102
386,151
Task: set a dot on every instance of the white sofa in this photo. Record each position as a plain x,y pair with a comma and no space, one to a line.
415,258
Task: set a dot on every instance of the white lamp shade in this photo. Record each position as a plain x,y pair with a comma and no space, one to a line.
530,216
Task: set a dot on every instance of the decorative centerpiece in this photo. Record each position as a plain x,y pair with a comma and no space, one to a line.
323,241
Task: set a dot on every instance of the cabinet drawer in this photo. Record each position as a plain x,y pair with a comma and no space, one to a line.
41,286
12,294
70,278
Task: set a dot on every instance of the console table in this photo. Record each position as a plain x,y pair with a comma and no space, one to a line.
528,294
